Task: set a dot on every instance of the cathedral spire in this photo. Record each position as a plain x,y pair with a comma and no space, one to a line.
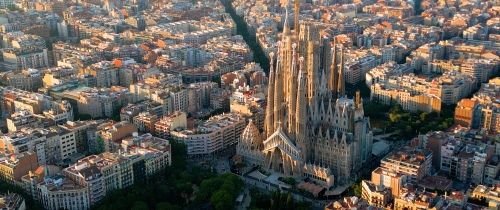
332,80
286,27
311,72
250,137
269,123
278,89
341,82
301,110
296,17
292,92
313,123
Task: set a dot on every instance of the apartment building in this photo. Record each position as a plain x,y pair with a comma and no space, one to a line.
467,113
58,192
199,95
100,174
418,200
81,131
376,195
180,100
166,124
390,179
128,112
491,194
13,167
26,79
348,202
112,133
418,93
105,72
408,99
26,51
250,110
59,112
164,90
21,119
357,65
153,152
452,86
415,164
217,133
191,31
381,73
480,69
14,99
98,103
252,75
30,181
25,140
12,201
142,156
6,3
16,59
145,122
465,162
51,145
64,144
481,111
58,75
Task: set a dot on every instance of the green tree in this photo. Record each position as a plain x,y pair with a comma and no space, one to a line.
355,189
423,116
394,117
166,206
289,201
140,205
222,200
100,146
184,188
207,188
116,113
173,188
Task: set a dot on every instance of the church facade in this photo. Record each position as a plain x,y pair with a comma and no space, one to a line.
312,130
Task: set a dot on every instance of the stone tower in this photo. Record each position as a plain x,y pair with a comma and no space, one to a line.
310,125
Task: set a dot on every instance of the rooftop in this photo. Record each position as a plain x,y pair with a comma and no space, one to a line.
60,183
10,201
410,156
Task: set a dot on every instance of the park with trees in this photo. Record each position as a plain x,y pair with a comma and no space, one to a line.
180,186
405,124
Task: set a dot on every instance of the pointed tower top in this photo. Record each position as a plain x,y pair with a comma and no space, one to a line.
271,60
278,51
301,65
286,28
251,134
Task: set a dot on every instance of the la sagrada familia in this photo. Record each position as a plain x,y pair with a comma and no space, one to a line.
312,130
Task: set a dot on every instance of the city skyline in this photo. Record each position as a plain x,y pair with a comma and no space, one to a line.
249,104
